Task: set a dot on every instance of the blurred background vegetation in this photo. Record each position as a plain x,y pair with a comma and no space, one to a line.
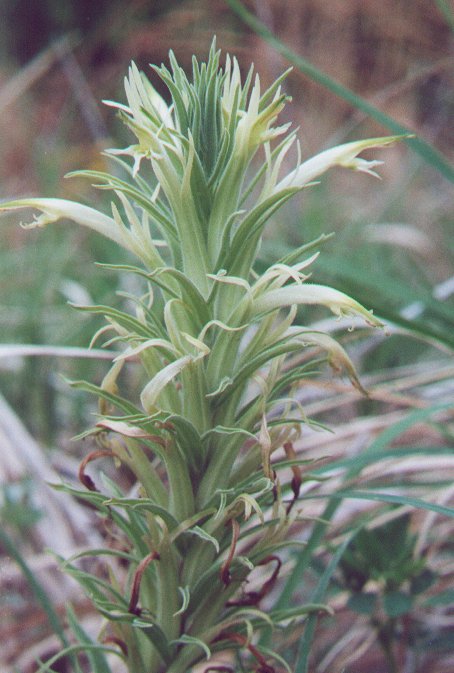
393,247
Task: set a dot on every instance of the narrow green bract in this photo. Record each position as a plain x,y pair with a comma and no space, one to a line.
213,339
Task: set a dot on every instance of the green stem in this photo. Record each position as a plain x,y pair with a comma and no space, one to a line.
197,560
218,472
168,599
181,503
195,403
140,464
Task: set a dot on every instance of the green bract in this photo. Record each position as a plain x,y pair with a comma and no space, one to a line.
217,391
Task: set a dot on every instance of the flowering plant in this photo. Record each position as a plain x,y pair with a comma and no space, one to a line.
213,339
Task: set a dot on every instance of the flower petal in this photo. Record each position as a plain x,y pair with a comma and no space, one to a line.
338,302
342,155
56,209
153,389
337,356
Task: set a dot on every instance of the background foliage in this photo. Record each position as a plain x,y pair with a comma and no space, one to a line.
393,250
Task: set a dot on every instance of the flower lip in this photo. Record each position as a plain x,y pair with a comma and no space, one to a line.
307,293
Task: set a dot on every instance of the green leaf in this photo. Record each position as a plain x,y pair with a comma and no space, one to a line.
236,259
97,658
395,499
189,293
128,322
143,504
100,551
191,640
203,535
423,581
156,636
111,182
188,440
363,603
443,598
300,611
294,256
39,592
397,603
75,649
120,402
447,11
186,597
302,662
95,587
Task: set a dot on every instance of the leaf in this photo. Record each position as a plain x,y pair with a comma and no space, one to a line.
143,504
364,602
190,295
95,587
443,598
97,658
188,440
395,499
120,402
294,255
337,357
199,532
131,431
223,430
304,648
156,636
191,640
131,325
423,581
39,592
168,348
236,258
153,389
186,596
75,649
111,182
397,603
101,551
300,611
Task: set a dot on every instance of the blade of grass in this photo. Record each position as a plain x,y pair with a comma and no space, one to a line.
302,660
388,497
384,296
447,12
75,649
377,446
96,658
40,594
20,350
431,155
